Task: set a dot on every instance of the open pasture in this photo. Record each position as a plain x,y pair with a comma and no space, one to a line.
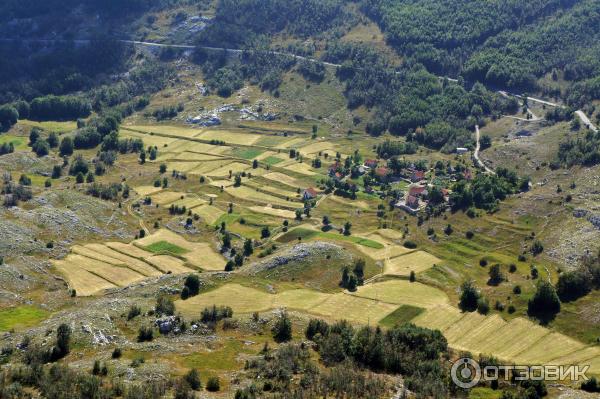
224,171
301,168
149,139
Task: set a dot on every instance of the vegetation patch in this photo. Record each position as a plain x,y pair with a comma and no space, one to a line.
21,317
403,314
164,246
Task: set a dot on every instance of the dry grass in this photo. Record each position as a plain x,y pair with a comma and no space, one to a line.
415,261
133,263
230,137
247,193
301,168
234,167
389,251
210,214
403,292
283,178
267,210
84,282
166,197
199,254
353,308
144,191
168,264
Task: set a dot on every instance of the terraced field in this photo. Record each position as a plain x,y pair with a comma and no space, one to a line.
519,340
93,268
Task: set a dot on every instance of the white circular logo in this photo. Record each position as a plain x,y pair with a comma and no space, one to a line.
466,373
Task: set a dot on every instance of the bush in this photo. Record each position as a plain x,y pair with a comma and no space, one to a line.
282,330
483,306
410,244
469,297
572,286
117,353
213,384
165,306
545,304
192,283
193,379
145,334
517,290
134,311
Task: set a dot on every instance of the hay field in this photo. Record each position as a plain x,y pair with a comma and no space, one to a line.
353,308
417,262
209,166
301,168
230,137
439,317
241,299
194,147
221,183
283,178
188,156
314,148
209,213
290,143
166,197
247,193
190,201
388,251
199,254
149,139
145,191
401,292
84,282
234,167
267,210
165,129
182,166
131,262
168,264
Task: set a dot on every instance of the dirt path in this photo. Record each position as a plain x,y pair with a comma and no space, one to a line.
476,158
586,121
139,218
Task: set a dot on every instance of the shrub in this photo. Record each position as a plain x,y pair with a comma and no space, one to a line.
134,311
483,306
193,379
469,297
192,282
469,234
145,334
213,384
165,306
282,330
545,303
117,353
517,290
410,244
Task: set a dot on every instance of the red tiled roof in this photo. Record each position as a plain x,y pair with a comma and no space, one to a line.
371,163
311,191
382,171
416,190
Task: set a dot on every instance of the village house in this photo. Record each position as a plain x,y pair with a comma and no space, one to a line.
309,193
417,176
461,150
371,163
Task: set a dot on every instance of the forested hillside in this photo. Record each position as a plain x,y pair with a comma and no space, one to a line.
505,43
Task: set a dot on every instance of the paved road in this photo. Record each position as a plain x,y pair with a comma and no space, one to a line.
478,161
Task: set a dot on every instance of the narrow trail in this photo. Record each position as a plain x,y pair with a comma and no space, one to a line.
476,158
139,218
